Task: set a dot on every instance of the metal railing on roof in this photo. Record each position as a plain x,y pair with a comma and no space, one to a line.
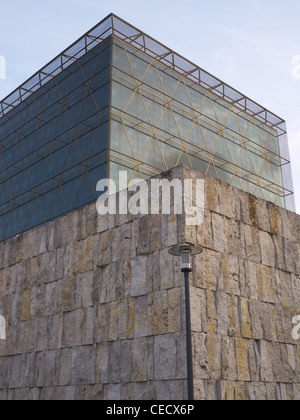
113,25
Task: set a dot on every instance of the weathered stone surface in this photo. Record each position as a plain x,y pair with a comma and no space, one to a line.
95,305
139,277
164,357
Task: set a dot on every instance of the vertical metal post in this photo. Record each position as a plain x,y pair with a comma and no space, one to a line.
190,373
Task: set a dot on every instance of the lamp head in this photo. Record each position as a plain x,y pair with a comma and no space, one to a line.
185,251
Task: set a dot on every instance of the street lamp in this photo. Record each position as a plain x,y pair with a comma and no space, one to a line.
185,252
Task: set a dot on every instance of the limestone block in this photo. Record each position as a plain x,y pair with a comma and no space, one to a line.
218,232
229,365
52,360
155,232
26,305
68,295
69,329
88,334
267,249
141,324
160,312
102,363
174,310
269,321
55,328
162,390
84,371
144,236
122,318
208,269
250,243
172,230
290,225
222,313
205,232
275,219
134,237
143,391
177,390
113,322
52,294
126,361
254,360
233,316
242,206
258,391
202,357
84,296
285,288
213,346
139,277
246,328
39,376
279,252
109,282
125,241
166,269
140,360
104,249
266,282
243,278
115,243
292,257
164,357
242,360
212,198
212,316
234,243
199,321
230,271
267,372
211,390
114,349
256,313
181,359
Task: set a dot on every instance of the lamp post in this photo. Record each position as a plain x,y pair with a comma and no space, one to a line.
185,252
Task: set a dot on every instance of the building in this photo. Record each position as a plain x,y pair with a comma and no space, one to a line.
94,305
117,99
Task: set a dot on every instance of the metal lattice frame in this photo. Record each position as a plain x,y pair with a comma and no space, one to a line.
215,162
37,187
113,25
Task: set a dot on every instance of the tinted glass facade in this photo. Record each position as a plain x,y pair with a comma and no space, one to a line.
117,99
54,145
161,119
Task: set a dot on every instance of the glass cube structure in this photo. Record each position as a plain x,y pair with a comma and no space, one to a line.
119,100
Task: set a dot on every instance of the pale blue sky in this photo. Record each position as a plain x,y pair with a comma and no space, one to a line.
249,44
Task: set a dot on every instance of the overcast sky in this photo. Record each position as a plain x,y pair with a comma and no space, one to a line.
253,45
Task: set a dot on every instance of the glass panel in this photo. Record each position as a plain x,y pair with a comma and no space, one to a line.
161,119
48,140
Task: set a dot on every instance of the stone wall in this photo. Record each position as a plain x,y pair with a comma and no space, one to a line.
95,305
246,292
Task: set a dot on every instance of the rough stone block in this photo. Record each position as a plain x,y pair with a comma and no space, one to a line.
164,357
